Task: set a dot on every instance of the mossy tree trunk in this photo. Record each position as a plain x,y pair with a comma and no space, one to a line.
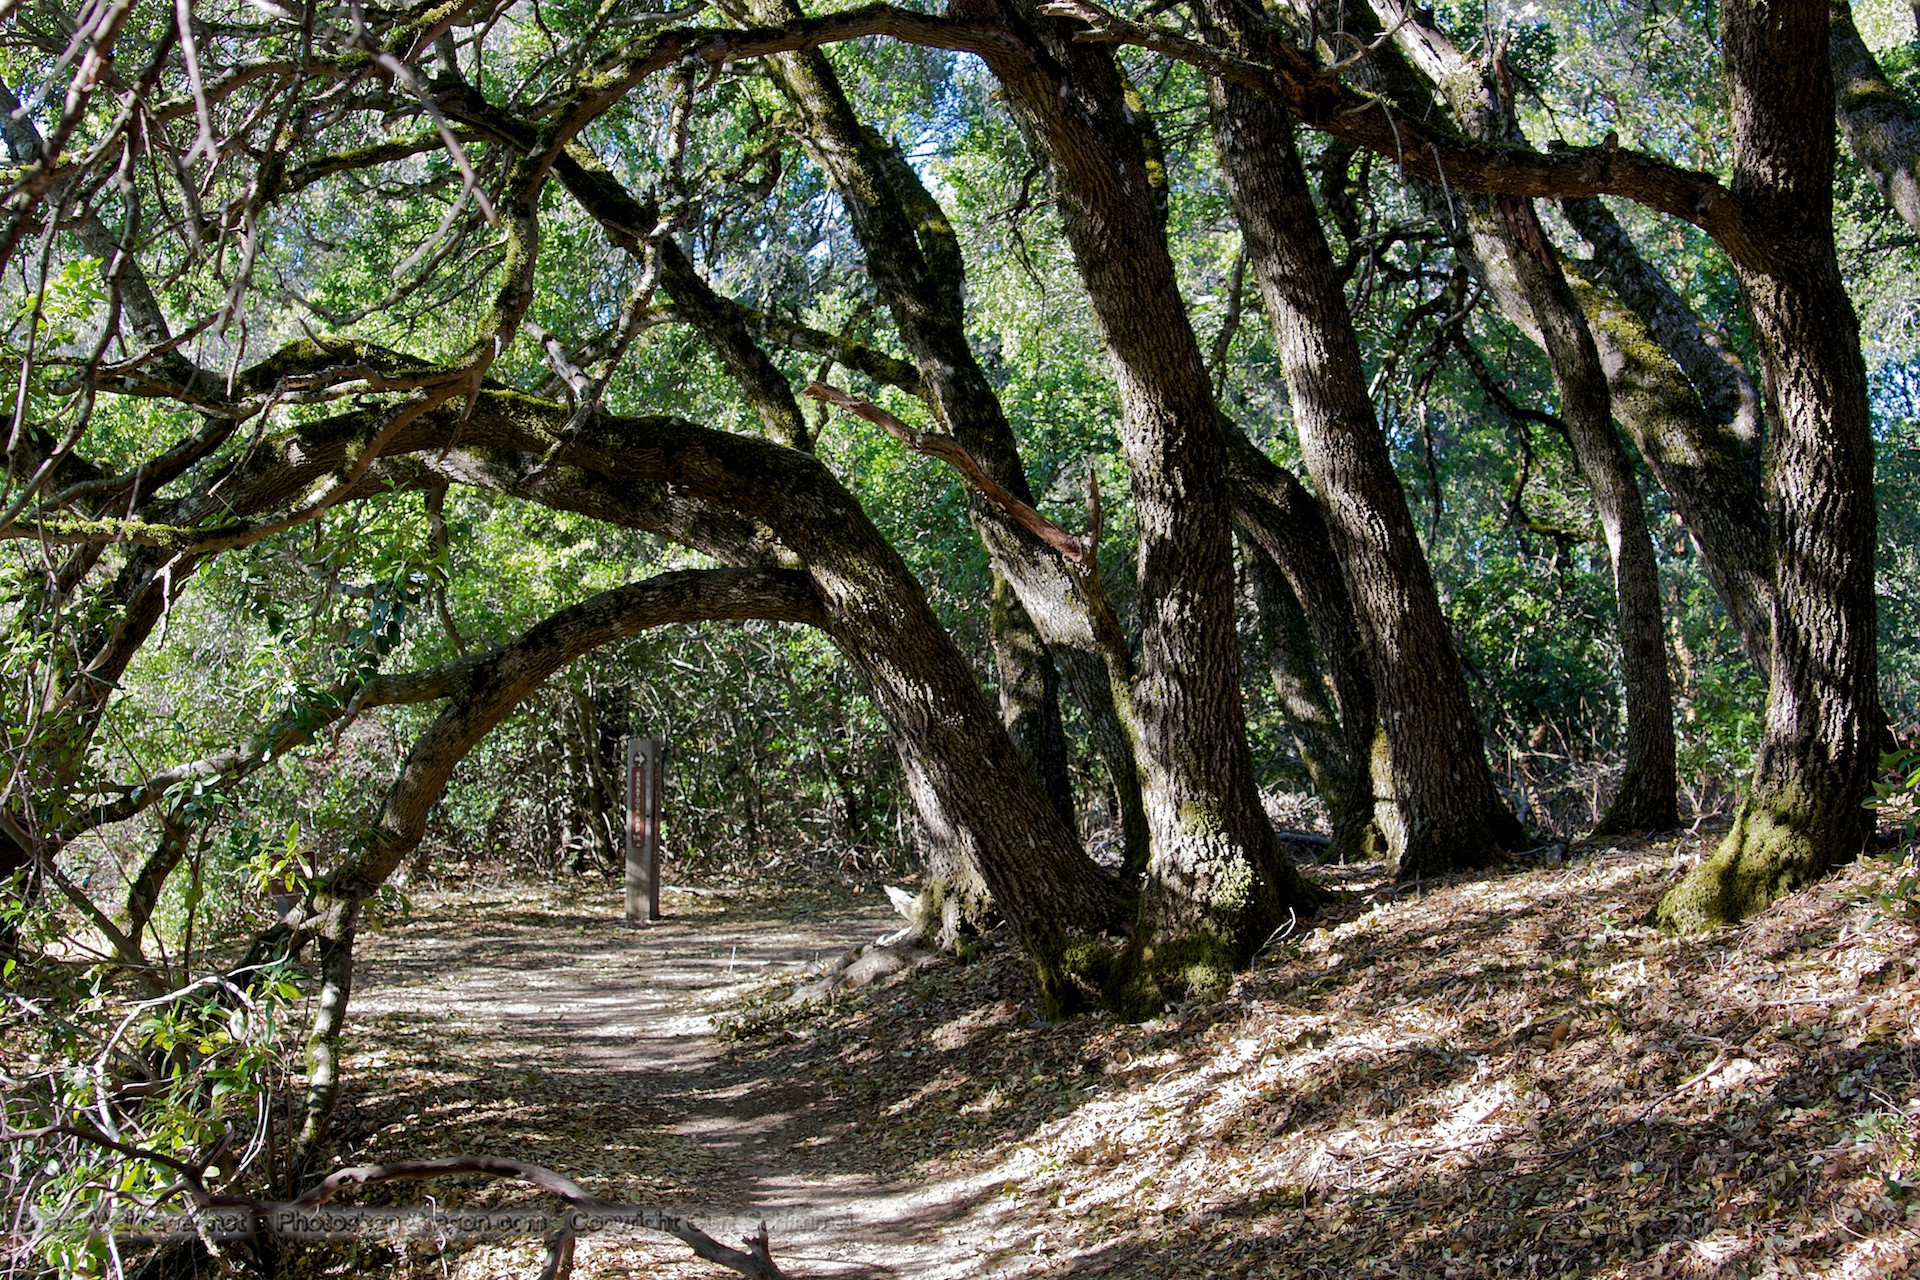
1217,881
1805,811
1692,412
1881,127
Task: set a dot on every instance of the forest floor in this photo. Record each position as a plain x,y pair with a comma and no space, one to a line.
1498,1075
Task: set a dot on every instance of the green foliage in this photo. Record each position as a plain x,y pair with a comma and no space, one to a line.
195,1076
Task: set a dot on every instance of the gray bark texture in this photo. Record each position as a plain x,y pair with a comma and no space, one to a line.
1434,797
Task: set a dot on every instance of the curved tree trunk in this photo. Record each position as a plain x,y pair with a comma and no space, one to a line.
1805,811
1435,801
1698,462
914,260
671,477
1881,126
1507,246
1526,279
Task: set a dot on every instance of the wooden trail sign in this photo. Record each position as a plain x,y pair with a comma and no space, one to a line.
646,773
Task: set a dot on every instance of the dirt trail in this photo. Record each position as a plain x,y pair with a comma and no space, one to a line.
1502,1074
534,1024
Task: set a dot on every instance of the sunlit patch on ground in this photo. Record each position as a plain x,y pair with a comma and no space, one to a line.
1497,1076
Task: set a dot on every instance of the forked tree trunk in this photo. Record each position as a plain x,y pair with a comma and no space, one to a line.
1217,882
914,260
1435,801
1505,243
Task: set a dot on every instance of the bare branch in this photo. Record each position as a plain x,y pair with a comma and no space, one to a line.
1077,550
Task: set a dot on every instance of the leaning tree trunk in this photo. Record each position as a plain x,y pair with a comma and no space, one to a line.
1647,799
1806,809
1217,882
1692,412
1881,127
914,260
1435,800
1305,699
1286,529
1526,279
1508,248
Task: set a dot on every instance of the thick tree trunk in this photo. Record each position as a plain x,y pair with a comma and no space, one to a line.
1435,800
1218,882
1805,811
1029,697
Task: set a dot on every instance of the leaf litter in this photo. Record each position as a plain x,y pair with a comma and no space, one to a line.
1497,1075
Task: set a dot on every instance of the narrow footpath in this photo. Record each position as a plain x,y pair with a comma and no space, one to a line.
534,1024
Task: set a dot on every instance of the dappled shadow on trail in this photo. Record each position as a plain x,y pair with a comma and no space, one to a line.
515,1023
1504,1075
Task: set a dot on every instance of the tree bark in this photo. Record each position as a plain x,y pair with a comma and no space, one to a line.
1880,126
914,260
1805,811
1699,463
1435,800
1502,239
1286,527
1218,882
722,322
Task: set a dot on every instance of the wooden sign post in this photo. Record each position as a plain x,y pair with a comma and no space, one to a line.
646,772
